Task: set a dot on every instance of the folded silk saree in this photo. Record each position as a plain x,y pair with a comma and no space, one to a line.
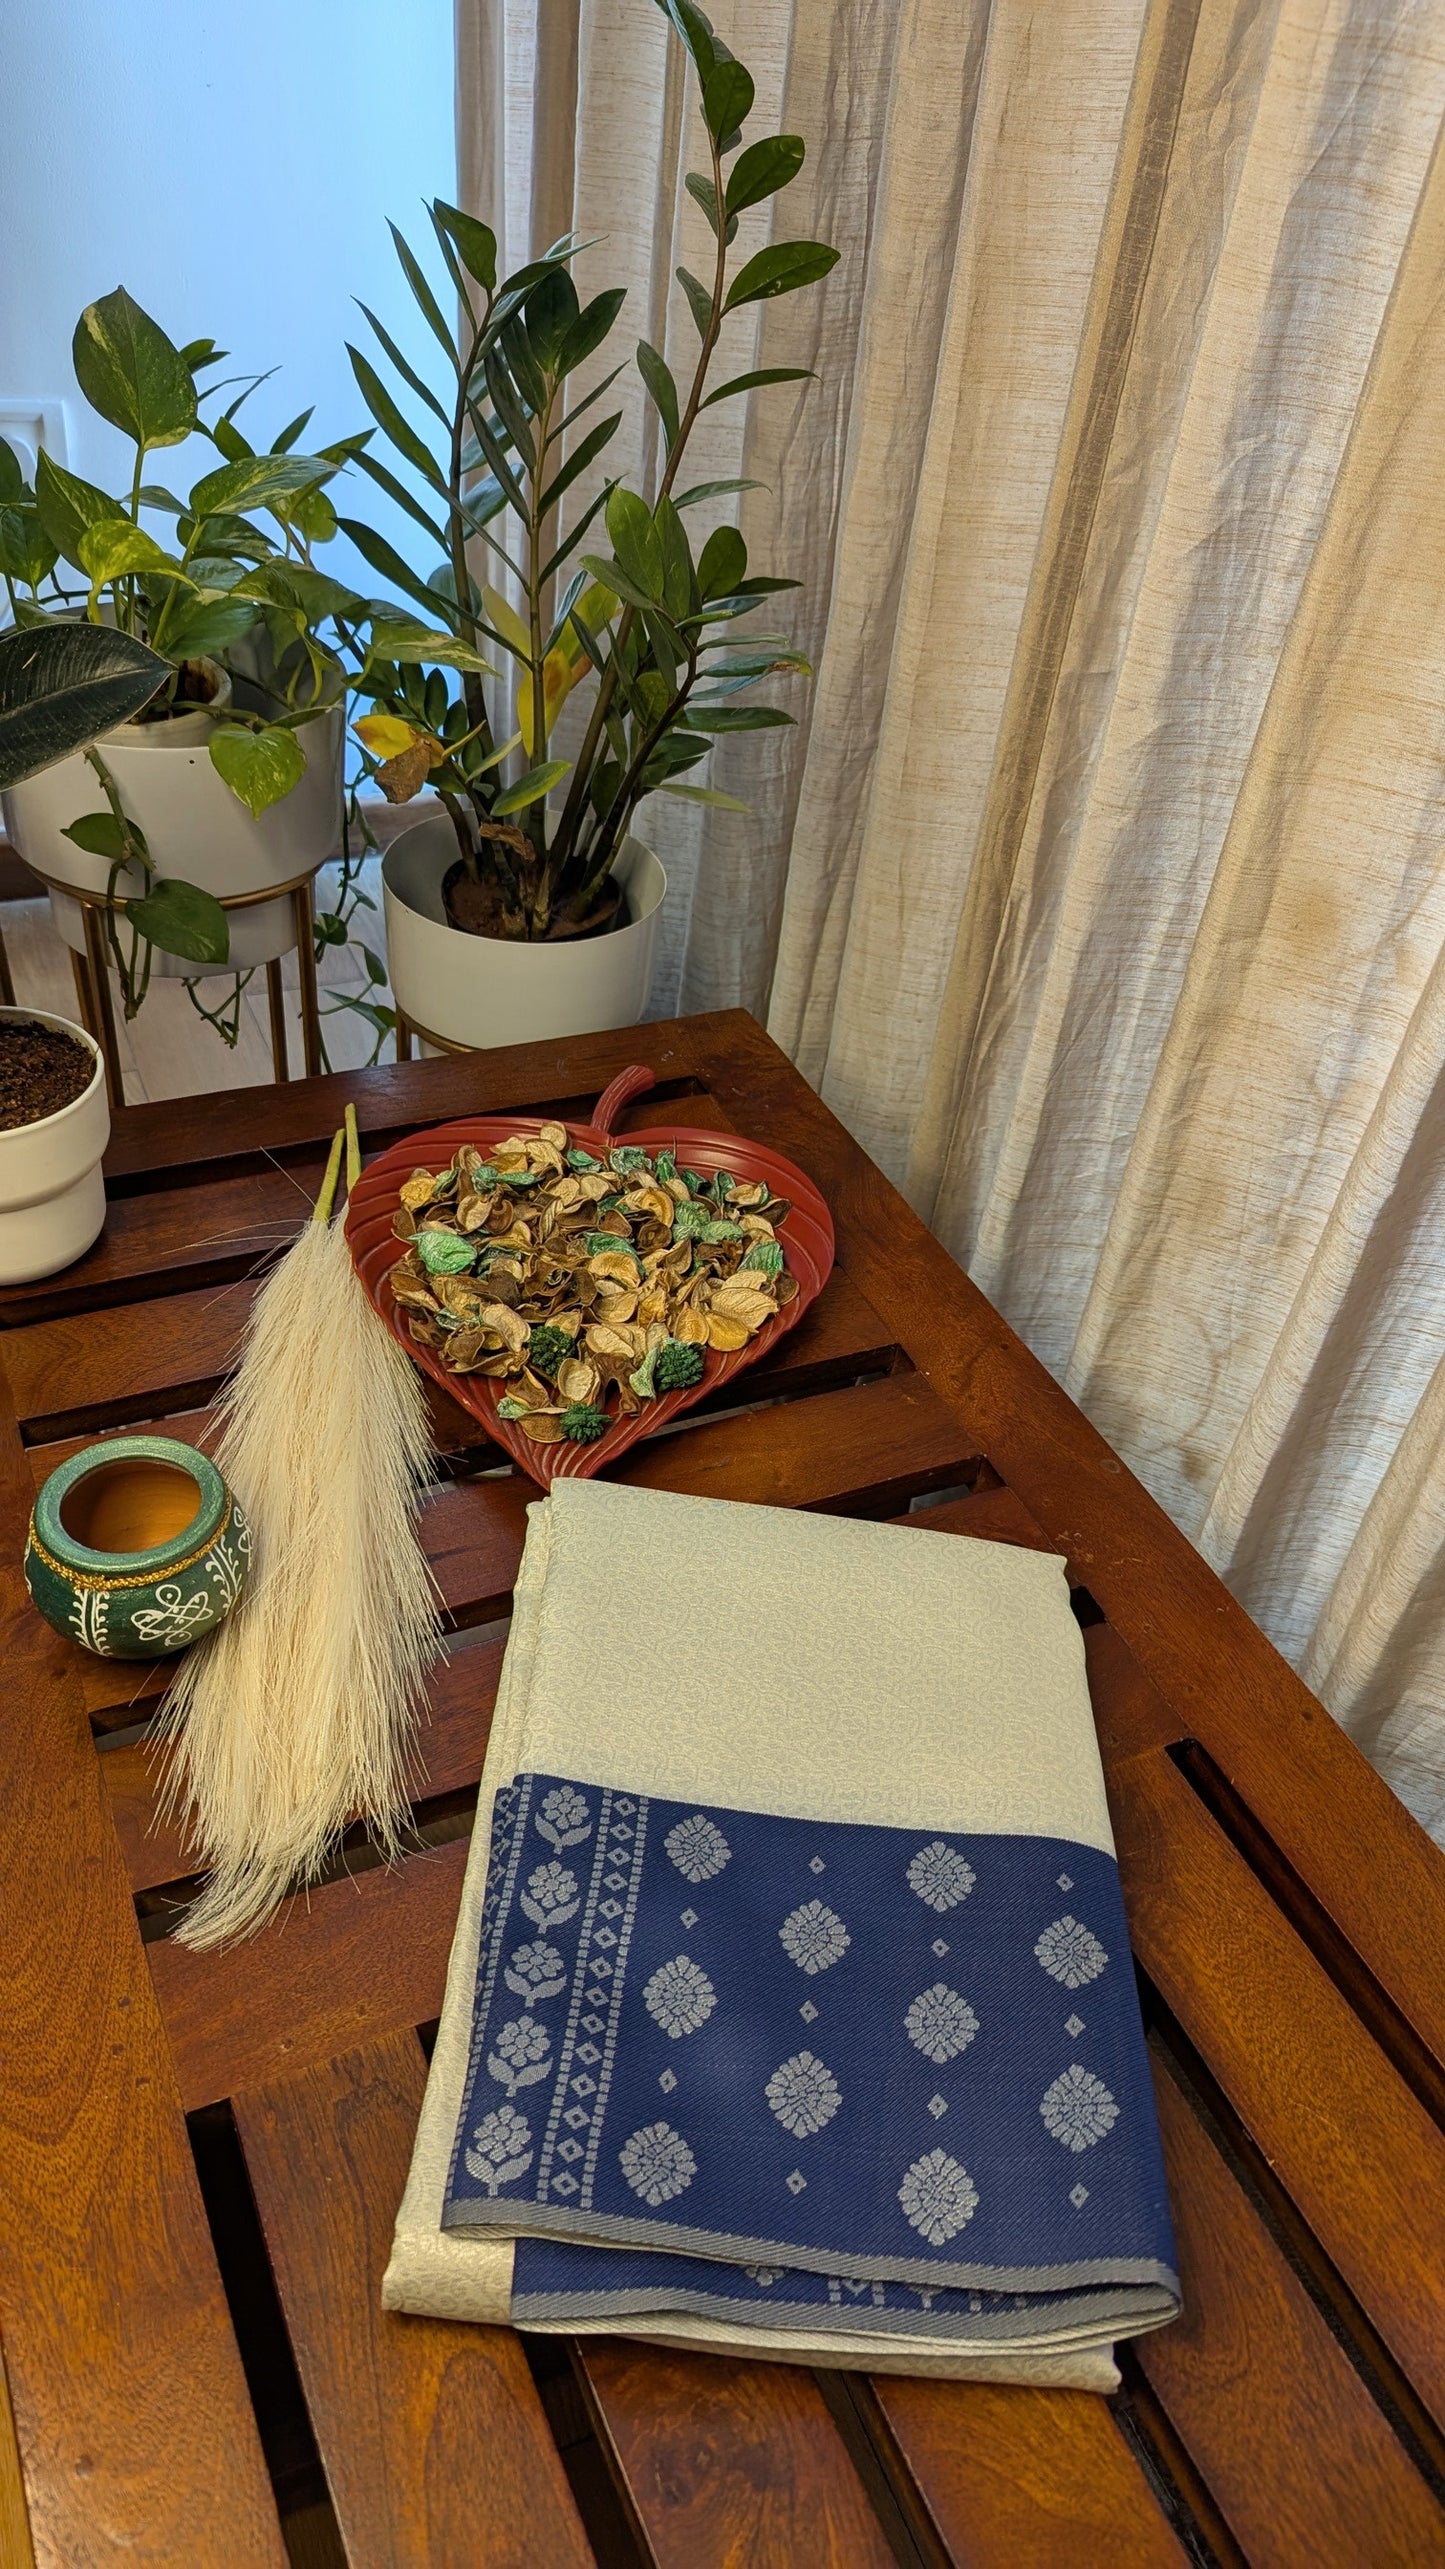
790,2009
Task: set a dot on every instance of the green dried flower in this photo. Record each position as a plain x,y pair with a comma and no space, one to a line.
547,1348
582,1160
713,1231
583,1422
765,1257
664,1167
641,1382
445,1253
598,1243
690,1222
508,1407
679,1366
630,1160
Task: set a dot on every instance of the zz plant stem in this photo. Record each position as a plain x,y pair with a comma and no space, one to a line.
646,626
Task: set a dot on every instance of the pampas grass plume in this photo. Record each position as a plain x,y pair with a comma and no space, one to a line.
298,1715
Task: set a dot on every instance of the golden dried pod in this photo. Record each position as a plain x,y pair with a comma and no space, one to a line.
556,1134
531,1391
616,1305
785,1287
512,1331
728,1335
593,1185
504,1364
608,1342
542,1426
424,1331
756,1226
472,1211
740,1302
677,1188
403,1224
747,1195
577,1380
653,1306
566,1193
614,1265
418,1190
464,1349
412,1292
691,1328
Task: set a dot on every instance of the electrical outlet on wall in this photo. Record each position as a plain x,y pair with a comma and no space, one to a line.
28,423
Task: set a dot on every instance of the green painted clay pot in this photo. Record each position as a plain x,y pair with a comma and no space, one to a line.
136,1547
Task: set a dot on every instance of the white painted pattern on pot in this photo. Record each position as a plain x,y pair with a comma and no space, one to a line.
479,991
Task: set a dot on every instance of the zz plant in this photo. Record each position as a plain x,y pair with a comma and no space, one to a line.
649,622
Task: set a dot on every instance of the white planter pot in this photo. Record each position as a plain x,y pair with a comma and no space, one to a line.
194,827
52,1194
478,991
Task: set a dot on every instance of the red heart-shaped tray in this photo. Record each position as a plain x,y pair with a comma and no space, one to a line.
806,1233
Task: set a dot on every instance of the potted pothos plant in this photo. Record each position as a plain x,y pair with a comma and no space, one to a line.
227,779
530,907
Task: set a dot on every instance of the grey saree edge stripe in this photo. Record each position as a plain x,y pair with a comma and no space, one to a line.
602,2230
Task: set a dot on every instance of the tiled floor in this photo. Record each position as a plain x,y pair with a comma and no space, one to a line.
168,1050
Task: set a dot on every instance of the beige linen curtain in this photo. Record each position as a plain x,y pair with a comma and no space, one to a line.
1101,886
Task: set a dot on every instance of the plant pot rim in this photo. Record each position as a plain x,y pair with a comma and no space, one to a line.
196,1536
67,1026
434,822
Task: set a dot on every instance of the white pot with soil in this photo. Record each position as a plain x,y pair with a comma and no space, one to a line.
194,826
54,1126
475,991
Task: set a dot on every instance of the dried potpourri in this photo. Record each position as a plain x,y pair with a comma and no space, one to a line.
589,1286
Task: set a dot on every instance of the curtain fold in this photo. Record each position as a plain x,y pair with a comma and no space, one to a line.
1099,886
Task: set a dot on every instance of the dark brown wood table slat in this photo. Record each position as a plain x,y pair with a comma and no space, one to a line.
408,2414
1288,1918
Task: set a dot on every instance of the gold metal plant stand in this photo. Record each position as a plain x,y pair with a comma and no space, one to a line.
92,976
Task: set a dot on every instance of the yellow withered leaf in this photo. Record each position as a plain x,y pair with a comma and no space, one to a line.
387,736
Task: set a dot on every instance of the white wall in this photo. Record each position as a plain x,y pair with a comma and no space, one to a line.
232,162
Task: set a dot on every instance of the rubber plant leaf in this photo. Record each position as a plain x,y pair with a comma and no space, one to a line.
62,685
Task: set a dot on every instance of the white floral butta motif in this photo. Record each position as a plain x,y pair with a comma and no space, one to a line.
522,2054
814,1937
697,1848
501,2148
173,1615
762,2276
940,1876
940,2024
657,2163
1070,1954
536,1971
803,2093
679,1996
564,1819
550,1898
938,2196
1078,2109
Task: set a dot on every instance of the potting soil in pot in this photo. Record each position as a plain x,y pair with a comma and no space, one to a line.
41,1070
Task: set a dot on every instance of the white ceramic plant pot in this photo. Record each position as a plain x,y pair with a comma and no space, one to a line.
52,1194
193,824
478,991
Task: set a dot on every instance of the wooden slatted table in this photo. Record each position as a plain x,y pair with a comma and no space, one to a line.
200,2156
